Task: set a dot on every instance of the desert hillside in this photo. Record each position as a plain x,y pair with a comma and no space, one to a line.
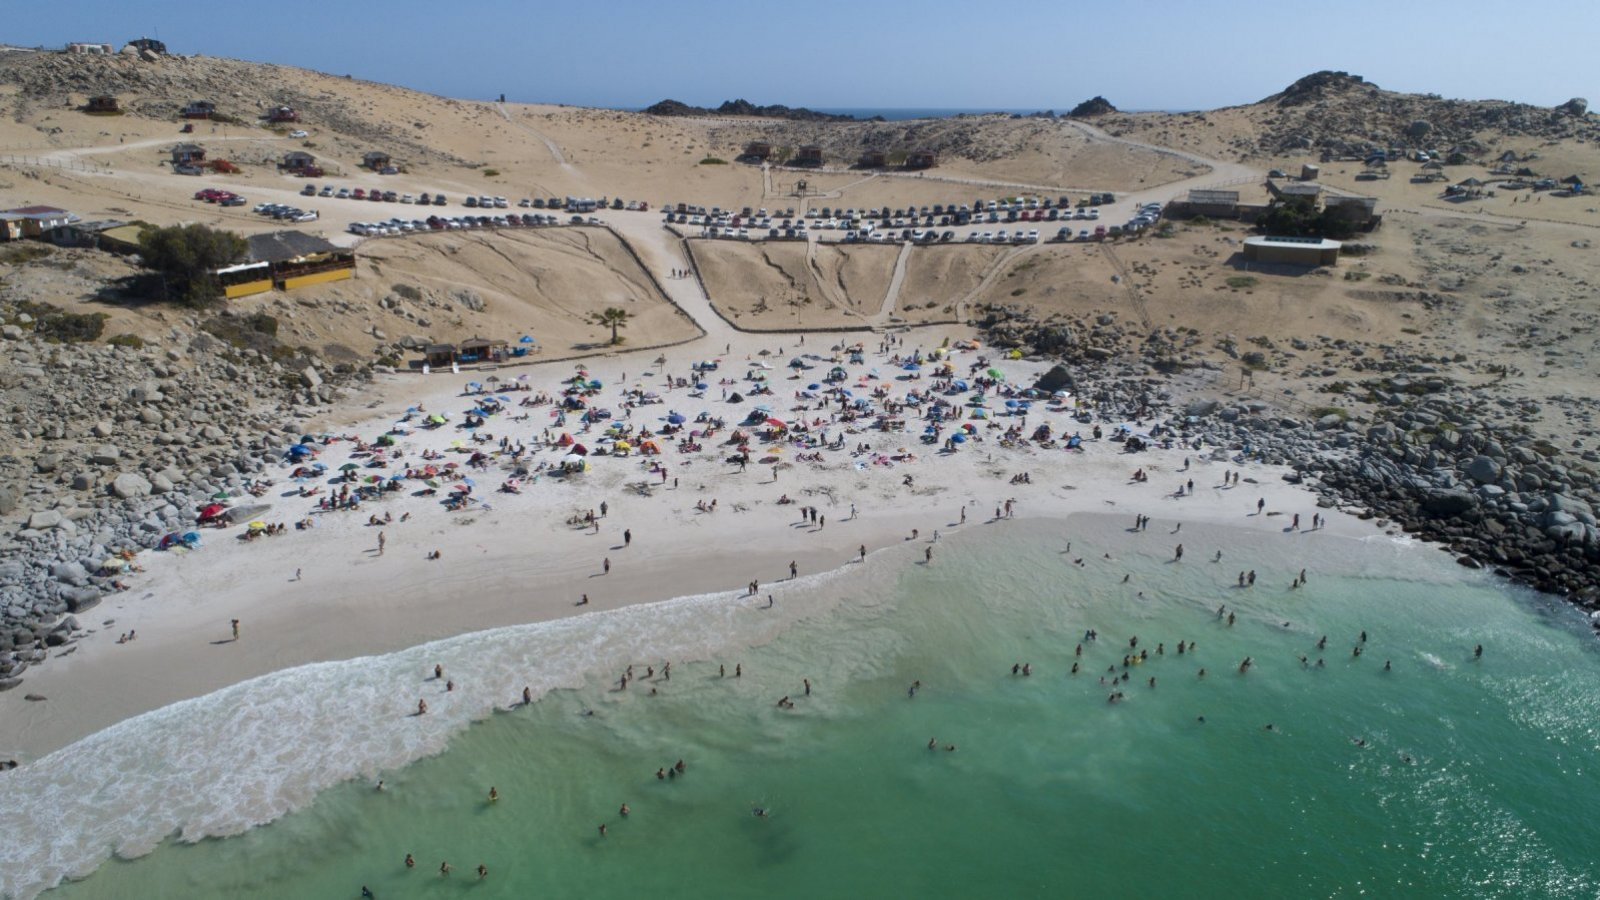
1337,114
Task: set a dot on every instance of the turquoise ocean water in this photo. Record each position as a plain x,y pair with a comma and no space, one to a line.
1476,777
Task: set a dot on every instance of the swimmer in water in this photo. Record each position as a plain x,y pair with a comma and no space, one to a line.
1478,653
444,868
759,812
624,811
483,871
494,795
411,862
933,743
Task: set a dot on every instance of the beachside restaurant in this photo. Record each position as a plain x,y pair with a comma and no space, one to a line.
478,350
296,259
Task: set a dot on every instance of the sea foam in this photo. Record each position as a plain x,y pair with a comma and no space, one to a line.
248,754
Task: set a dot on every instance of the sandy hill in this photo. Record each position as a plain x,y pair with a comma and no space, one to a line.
1338,114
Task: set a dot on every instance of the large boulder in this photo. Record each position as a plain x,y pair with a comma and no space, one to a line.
1447,502
1577,106
130,484
44,519
1057,379
1484,470
8,500
246,512
105,455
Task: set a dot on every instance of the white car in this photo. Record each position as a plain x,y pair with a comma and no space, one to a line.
299,133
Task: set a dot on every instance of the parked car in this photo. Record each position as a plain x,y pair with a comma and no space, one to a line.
235,200
299,133
326,191
344,194
438,200
309,190
471,202
359,194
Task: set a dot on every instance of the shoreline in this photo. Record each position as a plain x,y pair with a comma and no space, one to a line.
358,605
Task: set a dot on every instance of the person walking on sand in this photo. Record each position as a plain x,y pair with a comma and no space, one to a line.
927,556
606,565
627,537
794,570
236,629
382,539
1179,554
863,552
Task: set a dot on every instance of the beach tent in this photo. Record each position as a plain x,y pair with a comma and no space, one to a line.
212,513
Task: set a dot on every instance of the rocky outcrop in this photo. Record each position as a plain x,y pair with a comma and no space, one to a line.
110,448
746,108
1094,106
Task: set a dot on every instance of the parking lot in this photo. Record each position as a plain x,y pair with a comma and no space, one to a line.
556,210
1023,220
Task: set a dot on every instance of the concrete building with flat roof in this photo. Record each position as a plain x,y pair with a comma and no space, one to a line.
1291,251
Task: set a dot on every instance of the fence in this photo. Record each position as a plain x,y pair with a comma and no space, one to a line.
40,162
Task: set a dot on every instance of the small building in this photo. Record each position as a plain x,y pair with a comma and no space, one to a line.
807,155
10,226
1309,172
1295,191
872,159
757,151
38,221
1291,251
438,355
199,109
83,234
283,114
921,159
480,349
152,45
297,161
81,49
296,259
1212,204
102,104
375,160
188,155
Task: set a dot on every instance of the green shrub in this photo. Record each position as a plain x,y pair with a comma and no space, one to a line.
17,254
70,328
187,256
713,161
491,173
1239,282
126,340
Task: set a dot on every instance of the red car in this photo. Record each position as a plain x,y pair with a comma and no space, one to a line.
358,194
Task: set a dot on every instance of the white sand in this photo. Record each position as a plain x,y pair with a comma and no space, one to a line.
520,562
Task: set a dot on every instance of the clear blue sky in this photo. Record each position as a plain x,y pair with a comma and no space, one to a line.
990,54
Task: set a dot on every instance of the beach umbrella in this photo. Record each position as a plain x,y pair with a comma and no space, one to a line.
572,458
580,450
996,374
675,419
347,467
777,423
911,367
526,339
469,482
1011,404
958,438
474,385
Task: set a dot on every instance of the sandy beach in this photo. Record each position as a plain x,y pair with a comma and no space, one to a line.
513,559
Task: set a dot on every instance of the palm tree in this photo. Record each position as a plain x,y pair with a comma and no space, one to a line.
613,318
